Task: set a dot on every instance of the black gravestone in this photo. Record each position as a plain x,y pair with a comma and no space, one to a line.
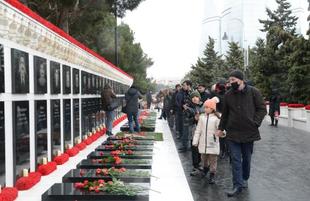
2,145
20,71
40,77
55,125
55,77
76,81
76,118
88,83
41,130
66,79
2,88
67,121
21,135
84,82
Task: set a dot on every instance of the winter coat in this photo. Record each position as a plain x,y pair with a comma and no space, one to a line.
201,128
148,97
243,113
274,104
107,96
132,100
204,96
181,99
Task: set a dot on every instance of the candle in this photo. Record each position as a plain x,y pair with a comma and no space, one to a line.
68,146
85,137
44,160
25,172
78,141
94,132
58,152
90,134
0,189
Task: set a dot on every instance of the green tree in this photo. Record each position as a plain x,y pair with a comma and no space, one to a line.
270,65
234,58
299,73
281,17
207,69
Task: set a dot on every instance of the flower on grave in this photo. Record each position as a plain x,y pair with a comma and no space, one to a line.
101,153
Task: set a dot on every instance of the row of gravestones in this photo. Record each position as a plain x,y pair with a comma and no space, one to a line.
118,169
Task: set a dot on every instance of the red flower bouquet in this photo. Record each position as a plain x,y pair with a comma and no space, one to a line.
110,171
307,107
25,183
72,152
110,159
8,194
296,105
47,168
81,146
61,159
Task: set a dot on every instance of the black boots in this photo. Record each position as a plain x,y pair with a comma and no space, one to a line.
212,178
234,192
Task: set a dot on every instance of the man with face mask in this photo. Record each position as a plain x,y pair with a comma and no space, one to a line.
243,112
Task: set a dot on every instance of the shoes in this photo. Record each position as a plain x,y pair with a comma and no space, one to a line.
182,150
245,184
271,124
212,178
195,172
222,155
160,118
234,192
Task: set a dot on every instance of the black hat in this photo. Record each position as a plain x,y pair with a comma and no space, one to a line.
237,74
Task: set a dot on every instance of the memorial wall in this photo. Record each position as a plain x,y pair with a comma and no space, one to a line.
50,86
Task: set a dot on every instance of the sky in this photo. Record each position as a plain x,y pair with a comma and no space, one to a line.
169,32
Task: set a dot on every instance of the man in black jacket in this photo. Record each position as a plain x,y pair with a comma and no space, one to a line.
243,112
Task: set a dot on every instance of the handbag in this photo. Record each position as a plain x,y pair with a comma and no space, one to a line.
112,106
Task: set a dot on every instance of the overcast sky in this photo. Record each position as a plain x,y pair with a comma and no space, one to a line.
169,32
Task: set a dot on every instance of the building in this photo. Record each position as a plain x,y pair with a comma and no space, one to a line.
237,20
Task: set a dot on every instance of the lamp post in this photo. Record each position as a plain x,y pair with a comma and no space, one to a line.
115,34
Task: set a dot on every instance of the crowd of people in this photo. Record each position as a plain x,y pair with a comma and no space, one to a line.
220,122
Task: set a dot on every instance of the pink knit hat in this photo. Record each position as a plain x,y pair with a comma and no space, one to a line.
211,103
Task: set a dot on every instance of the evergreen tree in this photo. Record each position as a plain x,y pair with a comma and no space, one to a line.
271,62
281,17
234,58
299,73
207,69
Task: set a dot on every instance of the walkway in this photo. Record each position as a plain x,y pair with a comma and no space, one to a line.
280,170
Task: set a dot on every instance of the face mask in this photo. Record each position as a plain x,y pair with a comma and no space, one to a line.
235,86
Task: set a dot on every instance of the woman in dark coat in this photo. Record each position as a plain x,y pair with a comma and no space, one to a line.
274,107
132,97
107,96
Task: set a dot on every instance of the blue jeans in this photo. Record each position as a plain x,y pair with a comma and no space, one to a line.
241,154
109,115
133,117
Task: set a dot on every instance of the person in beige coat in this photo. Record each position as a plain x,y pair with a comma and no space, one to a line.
206,140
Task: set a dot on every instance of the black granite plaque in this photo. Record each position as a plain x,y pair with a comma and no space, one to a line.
76,81
41,130
128,164
76,118
93,85
2,85
129,176
67,121
2,145
40,77
88,83
67,191
21,136
55,77
134,155
134,148
55,125
84,117
20,71
66,79
84,82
